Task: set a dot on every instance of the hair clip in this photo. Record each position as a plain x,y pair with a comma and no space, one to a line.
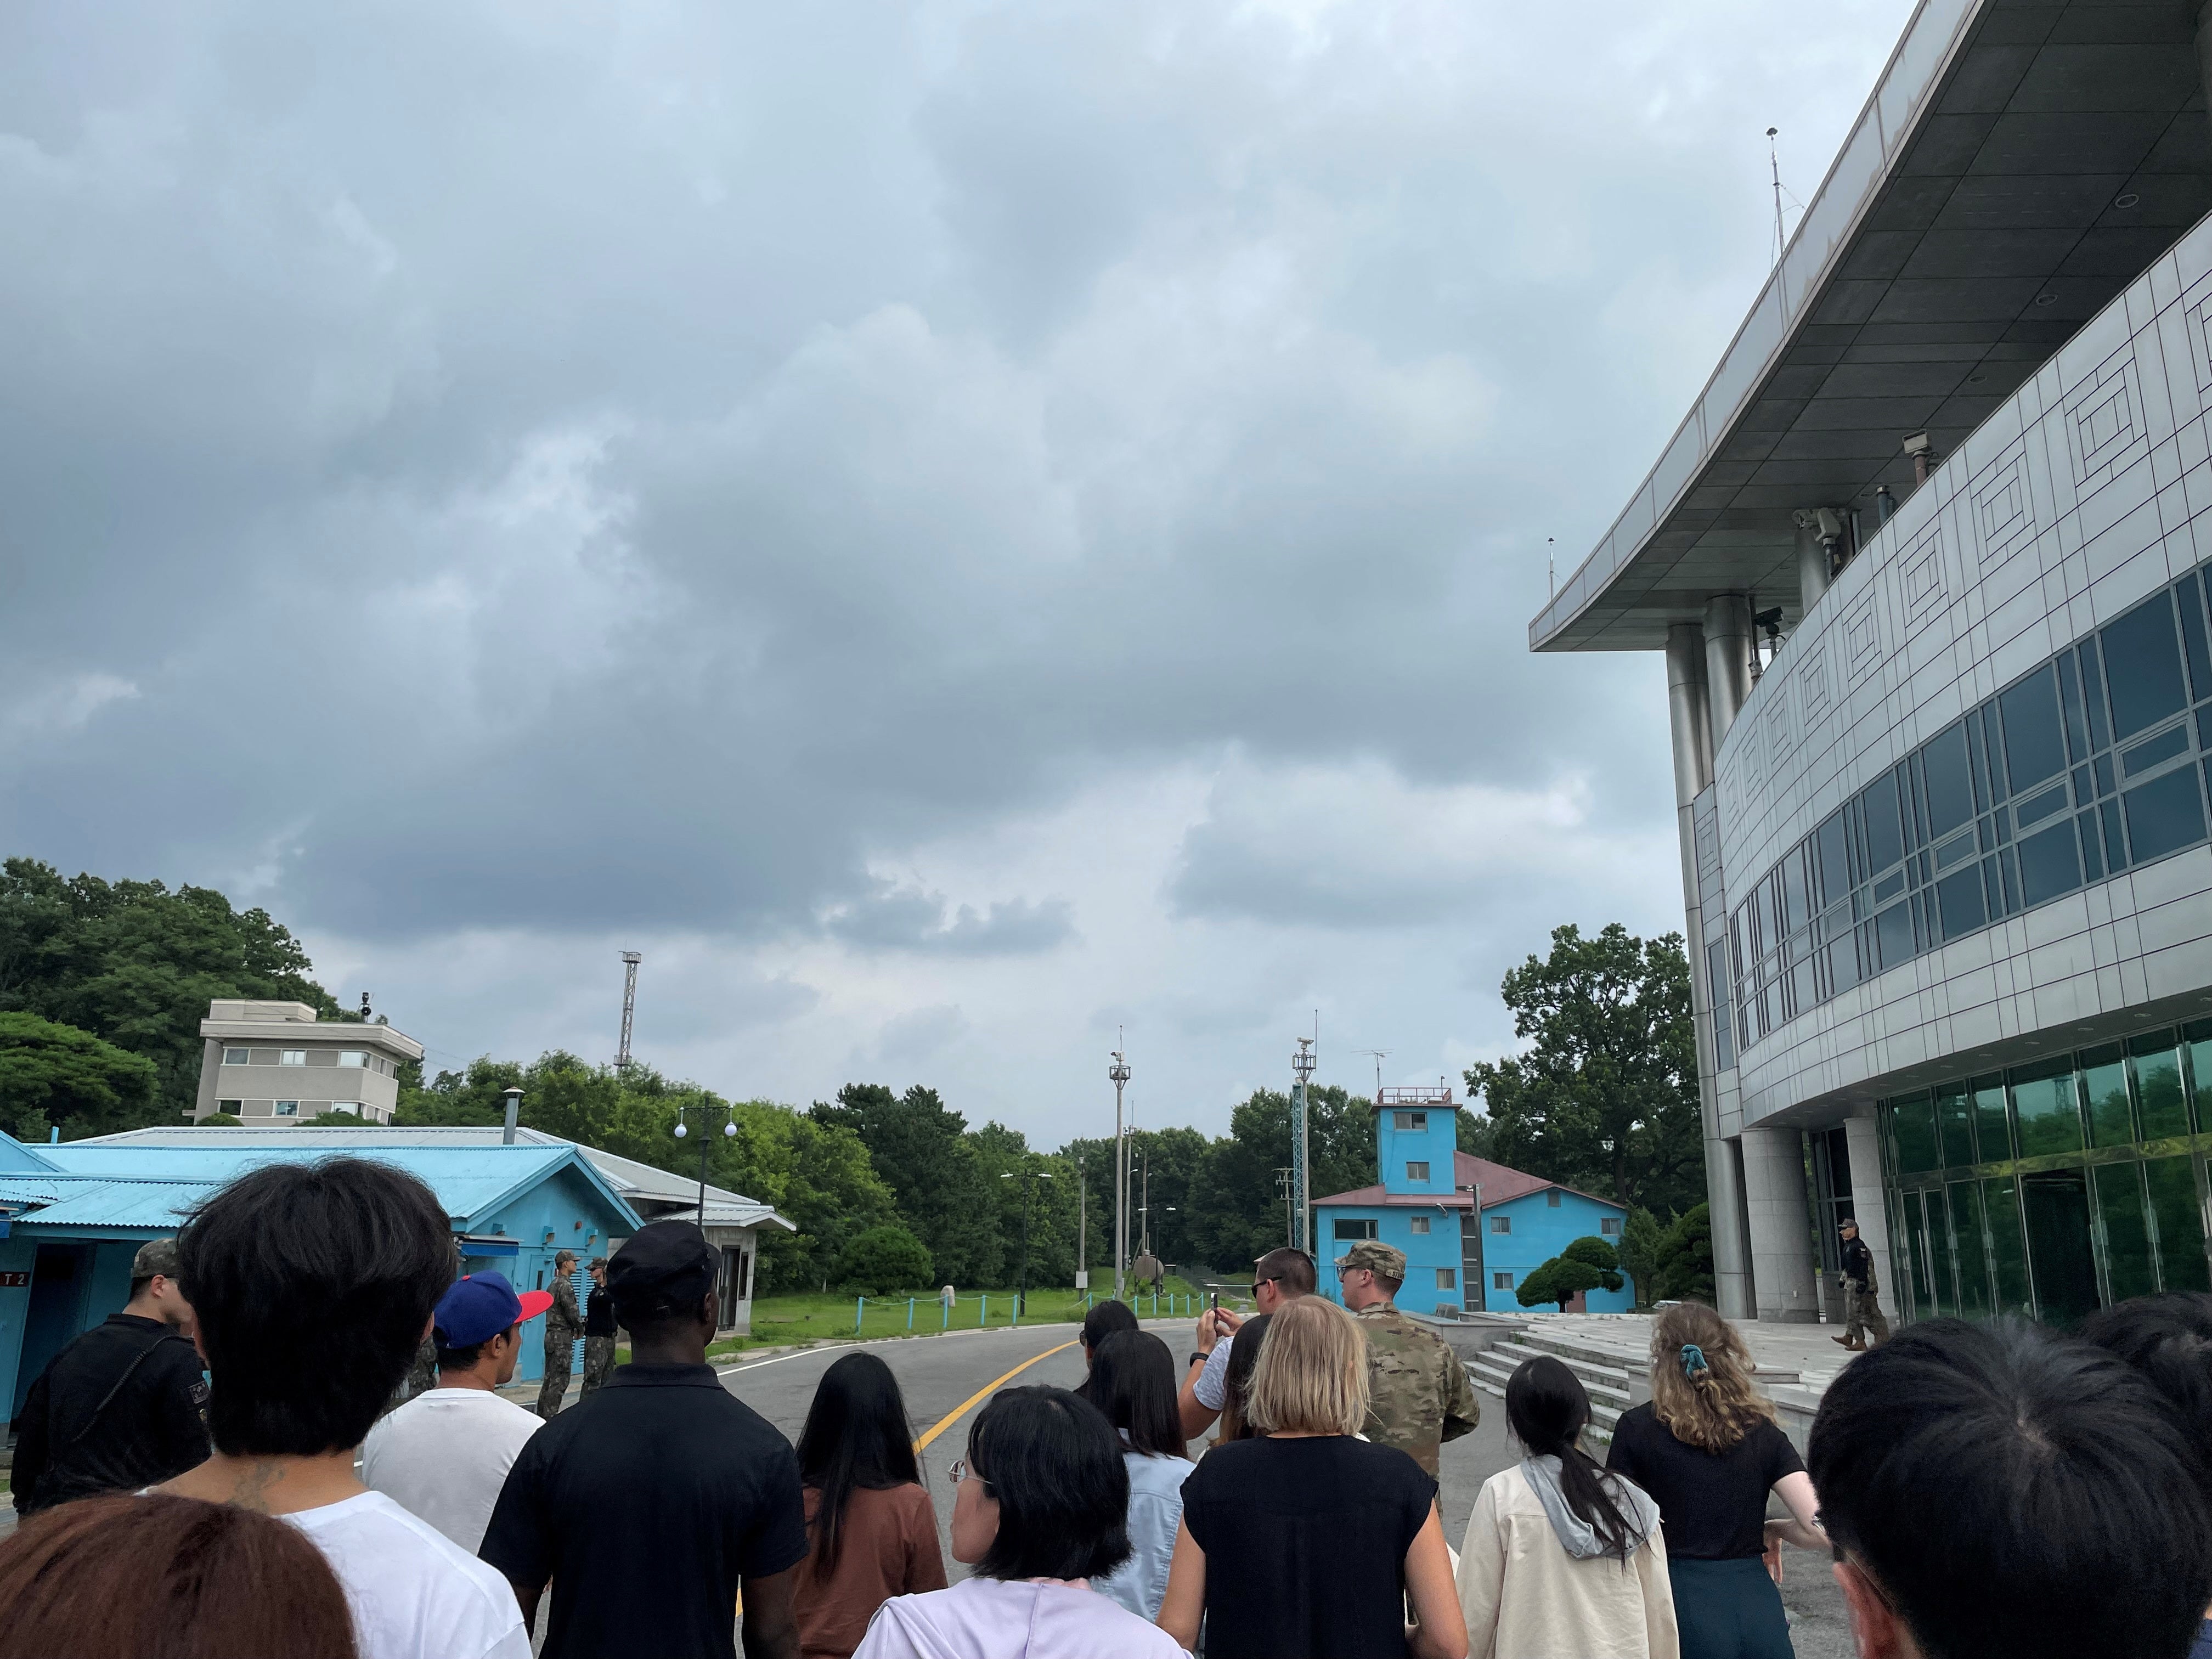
1694,1359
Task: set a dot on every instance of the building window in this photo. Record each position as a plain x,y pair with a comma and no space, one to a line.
356,1057
235,1107
1551,1198
1501,1224
1501,1281
1412,1121
238,1056
1417,1172
1421,1225
1447,1279
1609,1226
288,1108
350,1108
292,1057
1355,1230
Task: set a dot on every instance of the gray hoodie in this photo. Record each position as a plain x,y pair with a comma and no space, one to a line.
1575,1534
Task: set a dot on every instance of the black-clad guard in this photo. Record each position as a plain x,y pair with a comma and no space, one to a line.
1861,1303
123,1405
649,1509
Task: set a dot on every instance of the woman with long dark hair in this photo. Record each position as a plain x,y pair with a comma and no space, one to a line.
1562,1558
1707,1449
870,1522
1133,1381
1236,1383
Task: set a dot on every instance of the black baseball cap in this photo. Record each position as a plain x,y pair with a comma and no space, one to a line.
669,1263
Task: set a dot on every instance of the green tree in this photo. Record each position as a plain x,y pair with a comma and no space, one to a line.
921,1151
57,1076
1685,1261
1605,1096
1236,1206
1640,1238
1560,1280
882,1260
137,964
1176,1159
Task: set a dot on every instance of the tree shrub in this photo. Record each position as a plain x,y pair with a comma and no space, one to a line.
885,1259
1685,1261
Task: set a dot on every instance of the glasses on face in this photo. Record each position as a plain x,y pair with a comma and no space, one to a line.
962,1471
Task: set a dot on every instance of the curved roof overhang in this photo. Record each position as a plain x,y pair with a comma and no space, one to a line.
2017,166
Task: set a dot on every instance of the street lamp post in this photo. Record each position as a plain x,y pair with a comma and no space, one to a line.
1022,1296
1302,1064
729,1133
1119,1071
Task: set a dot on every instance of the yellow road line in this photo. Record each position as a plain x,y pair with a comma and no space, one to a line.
983,1393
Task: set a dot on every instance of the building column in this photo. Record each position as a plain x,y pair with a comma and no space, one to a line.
1690,726
1780,1219
1812,577
1727,661
1863,1141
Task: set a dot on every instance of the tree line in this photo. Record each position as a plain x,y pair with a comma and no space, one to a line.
103,984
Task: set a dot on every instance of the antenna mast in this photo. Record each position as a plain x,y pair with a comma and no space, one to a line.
631,959
1379,1055
1774,169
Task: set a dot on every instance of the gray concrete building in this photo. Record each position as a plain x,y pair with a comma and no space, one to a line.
272,1065
1928,565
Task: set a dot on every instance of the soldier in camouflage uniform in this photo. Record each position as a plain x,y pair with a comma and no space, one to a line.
564,1323
1861,1293
1420,1393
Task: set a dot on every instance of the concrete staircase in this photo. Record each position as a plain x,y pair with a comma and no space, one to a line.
1616,1377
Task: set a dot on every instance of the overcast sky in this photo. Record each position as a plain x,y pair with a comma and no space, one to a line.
955,529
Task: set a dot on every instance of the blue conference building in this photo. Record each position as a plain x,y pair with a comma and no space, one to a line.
1472,1230
1928,562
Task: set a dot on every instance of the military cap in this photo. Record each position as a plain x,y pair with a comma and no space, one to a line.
157,1255
668,1262
1384,1261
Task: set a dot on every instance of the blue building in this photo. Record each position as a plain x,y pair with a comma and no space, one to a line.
1428,1201
73,1215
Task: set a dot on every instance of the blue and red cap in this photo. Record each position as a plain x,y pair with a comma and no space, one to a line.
480,1306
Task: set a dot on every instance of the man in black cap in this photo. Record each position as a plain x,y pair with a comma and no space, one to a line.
122,1407
652,1504
1861,1303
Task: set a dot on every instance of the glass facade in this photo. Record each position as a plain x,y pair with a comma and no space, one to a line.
2056,1188
2096,761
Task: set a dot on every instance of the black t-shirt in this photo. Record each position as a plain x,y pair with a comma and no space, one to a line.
646,1505
1305,1545
121,1407
599,1312
1712,1505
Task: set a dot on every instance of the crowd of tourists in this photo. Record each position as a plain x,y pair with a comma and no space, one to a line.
217,1470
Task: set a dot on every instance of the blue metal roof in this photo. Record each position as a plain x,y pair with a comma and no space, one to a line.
147,1187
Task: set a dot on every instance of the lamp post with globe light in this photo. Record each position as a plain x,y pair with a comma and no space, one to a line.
1119,1072
1028,1176
683,1130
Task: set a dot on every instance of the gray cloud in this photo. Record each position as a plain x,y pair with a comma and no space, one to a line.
909,919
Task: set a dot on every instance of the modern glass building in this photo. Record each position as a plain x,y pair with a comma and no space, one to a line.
1930,562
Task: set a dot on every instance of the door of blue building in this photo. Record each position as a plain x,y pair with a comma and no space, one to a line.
59,1282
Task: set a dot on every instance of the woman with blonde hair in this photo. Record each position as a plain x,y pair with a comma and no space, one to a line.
1707,1448
1306,1541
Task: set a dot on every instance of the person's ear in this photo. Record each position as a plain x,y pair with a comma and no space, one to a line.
1880,1634
709,1312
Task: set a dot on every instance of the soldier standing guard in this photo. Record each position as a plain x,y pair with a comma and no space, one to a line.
1862,1306
563,1325
1420,1393
598,1328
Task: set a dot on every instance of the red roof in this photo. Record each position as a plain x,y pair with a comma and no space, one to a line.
1499,1186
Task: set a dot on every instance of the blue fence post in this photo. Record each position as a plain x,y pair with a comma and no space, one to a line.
859,1307
982,1311
1018,1311
909,1313
944,1315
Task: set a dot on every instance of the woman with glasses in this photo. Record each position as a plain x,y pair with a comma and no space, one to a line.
1039,1508
1307,1542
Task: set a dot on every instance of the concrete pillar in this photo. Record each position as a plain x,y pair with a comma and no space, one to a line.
1779,1217
1727,661
1688,721
1863,1141
1812,561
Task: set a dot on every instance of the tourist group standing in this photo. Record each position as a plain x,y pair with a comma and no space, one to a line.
217,1471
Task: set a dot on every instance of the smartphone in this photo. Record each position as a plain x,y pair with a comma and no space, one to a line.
1217,1301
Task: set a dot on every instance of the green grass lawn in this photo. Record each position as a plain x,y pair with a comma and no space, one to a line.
783,1320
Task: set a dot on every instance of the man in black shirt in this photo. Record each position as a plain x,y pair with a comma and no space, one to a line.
1861,1305
651,1511
121,1406
598,1329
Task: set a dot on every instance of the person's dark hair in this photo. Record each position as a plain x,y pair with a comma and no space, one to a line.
460,1360
2015,1493
162,1577
856,1436
138,1286
1133,1381
1103,1319
1236,1379
1292,1269
1054,1464
2169,1340
311,1284
1547,1409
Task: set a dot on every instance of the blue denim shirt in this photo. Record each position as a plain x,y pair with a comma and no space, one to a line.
1155,1513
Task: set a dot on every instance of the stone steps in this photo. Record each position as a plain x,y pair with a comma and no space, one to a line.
1606,1374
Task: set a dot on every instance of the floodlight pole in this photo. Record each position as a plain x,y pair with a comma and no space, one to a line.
1119,1071
1302,1063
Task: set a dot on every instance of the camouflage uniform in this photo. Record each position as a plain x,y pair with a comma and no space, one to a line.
563,1325
1862,1298
1420,1394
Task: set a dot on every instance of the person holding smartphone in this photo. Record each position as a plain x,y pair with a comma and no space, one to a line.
1279,1279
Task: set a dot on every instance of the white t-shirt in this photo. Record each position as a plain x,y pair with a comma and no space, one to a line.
415,1593
445,1455
1212,1389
